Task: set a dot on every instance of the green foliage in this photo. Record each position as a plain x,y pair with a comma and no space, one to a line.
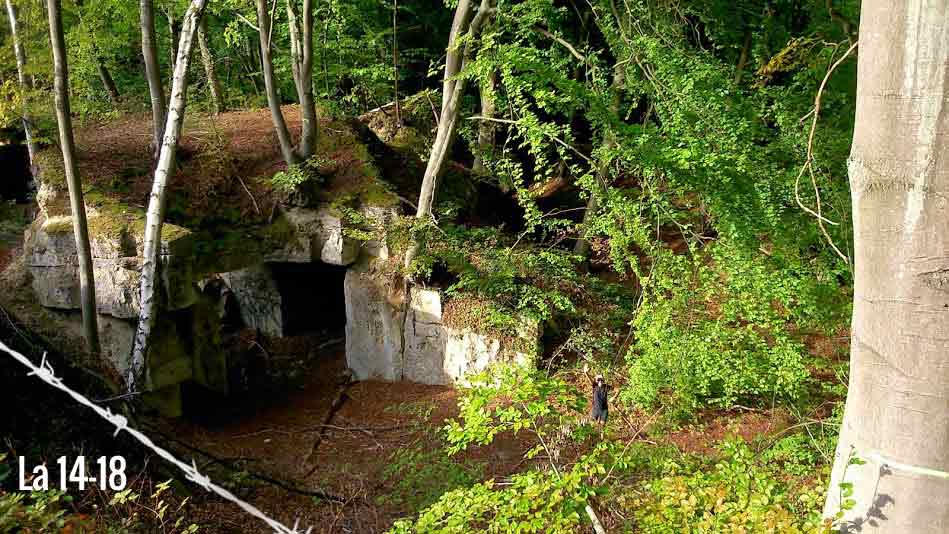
534,501
508,398
420,477
155,510
37,512
738,495
718,332
295,176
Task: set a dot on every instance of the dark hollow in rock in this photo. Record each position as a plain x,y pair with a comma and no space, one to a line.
312,295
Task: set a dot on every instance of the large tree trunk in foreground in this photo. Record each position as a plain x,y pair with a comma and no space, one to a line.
273,97
26,85
156,204
897,413
214,86
87,289
152,71
464,23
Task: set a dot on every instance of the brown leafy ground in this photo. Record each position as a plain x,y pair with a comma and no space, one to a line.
275,437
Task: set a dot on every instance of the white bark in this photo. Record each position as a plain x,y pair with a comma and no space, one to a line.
87,288
464,23
897,412
26,85
152,72
301,59
156,205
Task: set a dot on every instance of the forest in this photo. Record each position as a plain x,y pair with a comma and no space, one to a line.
457,266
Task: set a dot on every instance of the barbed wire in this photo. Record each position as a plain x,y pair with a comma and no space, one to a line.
45,373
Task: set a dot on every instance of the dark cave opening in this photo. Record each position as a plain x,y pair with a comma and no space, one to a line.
17,180
312,295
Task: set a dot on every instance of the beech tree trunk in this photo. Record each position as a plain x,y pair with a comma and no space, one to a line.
896,418
156,205
273,97
87,289
465,23
26,85
214,86
152,71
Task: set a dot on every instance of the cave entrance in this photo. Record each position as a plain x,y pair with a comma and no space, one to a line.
312,295
15,161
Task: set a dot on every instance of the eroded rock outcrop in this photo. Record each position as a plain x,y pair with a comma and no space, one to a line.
387,340
386,337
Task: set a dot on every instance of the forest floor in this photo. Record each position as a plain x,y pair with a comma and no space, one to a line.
380,452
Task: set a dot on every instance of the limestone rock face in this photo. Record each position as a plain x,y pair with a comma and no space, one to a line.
50,252
317,236
258,298
380,217
373,328
377,325
51,259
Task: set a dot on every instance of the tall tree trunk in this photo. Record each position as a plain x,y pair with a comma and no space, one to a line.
897,414
273,98
301,59
152,71
174,32
486,127
214,87
743,58
601,188
87,289
156,205
107,82
26,85
395,63
464,23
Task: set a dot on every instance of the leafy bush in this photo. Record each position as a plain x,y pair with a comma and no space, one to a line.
38,512
722,331
738,495
291,179
534,501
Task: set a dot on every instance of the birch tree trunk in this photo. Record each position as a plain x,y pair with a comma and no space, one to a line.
273,97
26,85
152,71
301,60
897,414
87,289
156,205
464,23
214,86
